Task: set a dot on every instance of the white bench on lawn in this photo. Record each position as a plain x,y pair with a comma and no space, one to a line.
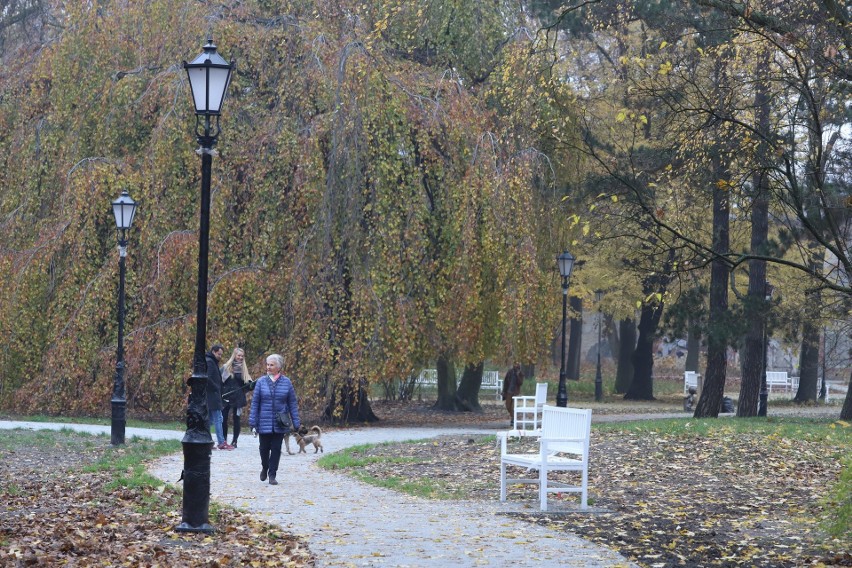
528,408
780,380
563,446
490,380
690,380
839,387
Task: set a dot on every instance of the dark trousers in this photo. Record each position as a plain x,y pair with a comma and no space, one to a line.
226,411
510,405
270,452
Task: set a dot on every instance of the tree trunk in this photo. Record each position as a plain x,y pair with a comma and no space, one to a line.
446,383
467,396
626,346
809,360
710,400
693,349
575,342
354,403
753,351
846,411
756,310
642,385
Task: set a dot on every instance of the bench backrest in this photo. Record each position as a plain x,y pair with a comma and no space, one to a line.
490,380
540,394
428,377
776,377
558,422
690,378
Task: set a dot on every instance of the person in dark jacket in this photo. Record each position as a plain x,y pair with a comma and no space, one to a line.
214,394
236,380
273,394
512,387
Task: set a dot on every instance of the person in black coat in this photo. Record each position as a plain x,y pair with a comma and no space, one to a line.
512,387
236,380
214,394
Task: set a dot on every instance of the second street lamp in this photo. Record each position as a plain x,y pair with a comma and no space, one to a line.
566,265
598,377
209,75
123,208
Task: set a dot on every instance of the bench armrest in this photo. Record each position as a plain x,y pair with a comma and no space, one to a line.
559,440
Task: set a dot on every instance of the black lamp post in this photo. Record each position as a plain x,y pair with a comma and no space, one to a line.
763,400
209,75
598,377
124,208
823,394
566,265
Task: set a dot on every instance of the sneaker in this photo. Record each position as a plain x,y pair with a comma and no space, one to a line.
263,474
234,444
225,446
272,481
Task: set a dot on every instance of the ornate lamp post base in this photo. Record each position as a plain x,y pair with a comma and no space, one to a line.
196,486
119,421
763,402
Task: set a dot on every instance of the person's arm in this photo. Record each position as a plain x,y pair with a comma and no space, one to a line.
255,410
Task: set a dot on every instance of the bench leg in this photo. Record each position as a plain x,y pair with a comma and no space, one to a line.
502,481
542,487
584,496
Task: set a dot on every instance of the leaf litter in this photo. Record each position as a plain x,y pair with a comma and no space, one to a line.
53,512
663,499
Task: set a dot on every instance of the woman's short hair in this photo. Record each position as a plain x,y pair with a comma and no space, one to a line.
278,359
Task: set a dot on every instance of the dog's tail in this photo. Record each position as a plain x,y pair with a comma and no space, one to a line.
316,429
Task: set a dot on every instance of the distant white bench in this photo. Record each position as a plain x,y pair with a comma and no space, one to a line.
838,387
490,380
528,408
779,380
690,380
563,446
427,378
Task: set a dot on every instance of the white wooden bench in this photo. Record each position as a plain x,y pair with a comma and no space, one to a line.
838,387
490,381
779,380
563,446
528,408
427,378
690,380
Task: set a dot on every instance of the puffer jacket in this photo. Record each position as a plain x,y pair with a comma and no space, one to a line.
269,399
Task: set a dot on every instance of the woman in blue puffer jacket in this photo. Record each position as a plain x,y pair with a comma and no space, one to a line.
273,394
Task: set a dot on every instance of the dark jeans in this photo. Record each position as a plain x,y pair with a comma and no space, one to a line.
226,411
270,452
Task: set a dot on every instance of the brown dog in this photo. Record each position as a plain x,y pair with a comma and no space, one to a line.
310,436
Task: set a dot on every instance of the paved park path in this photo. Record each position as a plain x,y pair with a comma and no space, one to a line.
349,523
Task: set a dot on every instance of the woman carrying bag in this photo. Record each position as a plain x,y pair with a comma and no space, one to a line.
272,407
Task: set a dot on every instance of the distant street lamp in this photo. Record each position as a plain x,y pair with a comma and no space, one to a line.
566,265
124,208
823,394
598,377
209,75
763,401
